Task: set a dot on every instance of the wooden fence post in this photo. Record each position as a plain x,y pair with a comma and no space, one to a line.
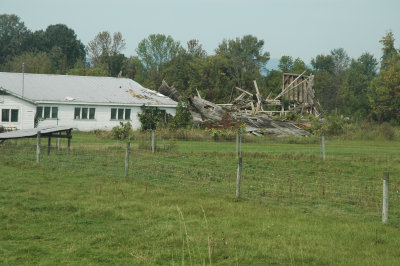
239,169
237,143
323,147
38,147
385,199
153,140
128,150
59,142
49,145
240,143
69,141
239,177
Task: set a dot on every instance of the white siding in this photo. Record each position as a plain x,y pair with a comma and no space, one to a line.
26,113
102,117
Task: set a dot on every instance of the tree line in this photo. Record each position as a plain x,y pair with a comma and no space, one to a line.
361,88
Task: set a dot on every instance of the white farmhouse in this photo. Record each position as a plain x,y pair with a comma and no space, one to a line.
81,102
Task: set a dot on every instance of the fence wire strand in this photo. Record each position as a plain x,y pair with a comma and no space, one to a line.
302,179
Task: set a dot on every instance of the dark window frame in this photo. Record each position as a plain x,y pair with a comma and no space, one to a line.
128,117
121,114
10,115
114,113
14,115
39,114
54,112
84,113
46,112
77,113
5,115
92,113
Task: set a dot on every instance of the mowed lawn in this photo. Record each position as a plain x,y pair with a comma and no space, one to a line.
178,206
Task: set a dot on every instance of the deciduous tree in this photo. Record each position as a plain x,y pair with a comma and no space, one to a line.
34,63
195,49
286,64
384,92
61,36
355,88
105,52
388,50
14,37
247,58
154,52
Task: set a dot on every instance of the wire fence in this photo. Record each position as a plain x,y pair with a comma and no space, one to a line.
297,175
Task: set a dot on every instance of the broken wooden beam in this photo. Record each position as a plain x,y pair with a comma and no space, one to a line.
207,109
198,94
169,91
287,88
259,98
242,90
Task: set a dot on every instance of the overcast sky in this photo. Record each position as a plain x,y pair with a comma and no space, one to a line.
299,28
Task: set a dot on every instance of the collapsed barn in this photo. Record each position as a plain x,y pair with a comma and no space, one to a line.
297,96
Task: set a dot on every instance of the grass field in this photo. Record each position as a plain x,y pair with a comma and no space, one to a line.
178,205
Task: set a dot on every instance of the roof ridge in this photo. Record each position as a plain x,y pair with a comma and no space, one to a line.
63,75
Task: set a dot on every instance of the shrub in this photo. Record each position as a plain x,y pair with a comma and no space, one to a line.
224,129
123,131
182,118
222,134
367,130
331,126
152,117
386,131
292,117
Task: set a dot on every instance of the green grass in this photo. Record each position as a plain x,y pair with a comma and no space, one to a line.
178,206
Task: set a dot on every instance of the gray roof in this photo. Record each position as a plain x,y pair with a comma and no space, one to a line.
39,88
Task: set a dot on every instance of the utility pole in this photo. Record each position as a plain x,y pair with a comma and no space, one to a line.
23,79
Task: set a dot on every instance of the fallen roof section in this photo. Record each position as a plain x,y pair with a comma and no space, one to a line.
256,124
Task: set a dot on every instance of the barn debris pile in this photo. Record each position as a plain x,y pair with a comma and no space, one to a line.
256,124
254,110
297,90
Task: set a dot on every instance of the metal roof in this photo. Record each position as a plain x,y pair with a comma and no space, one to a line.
40,88
26,133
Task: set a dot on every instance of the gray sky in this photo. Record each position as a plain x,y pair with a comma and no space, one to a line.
289,27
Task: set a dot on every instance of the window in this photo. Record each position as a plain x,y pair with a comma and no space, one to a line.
113,113
84,113
92,111
127,114
5,115
77,113
46,112
39,112
54,112
120,114
9,115
14,115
